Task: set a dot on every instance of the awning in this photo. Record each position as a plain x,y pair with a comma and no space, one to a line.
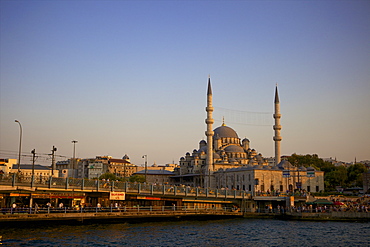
320,202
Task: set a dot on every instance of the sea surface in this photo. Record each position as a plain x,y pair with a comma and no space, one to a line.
227,232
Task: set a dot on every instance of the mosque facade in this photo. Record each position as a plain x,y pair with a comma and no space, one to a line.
225,161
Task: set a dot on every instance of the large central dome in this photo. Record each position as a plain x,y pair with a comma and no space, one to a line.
225,132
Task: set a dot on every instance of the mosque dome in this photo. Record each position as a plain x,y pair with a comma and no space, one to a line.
234,149
225,132
216,156
203,142
284,164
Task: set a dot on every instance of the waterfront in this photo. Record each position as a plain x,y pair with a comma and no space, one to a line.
230,232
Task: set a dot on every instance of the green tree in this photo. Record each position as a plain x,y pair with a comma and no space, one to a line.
355,174
110,176
336,177
309,160
137,178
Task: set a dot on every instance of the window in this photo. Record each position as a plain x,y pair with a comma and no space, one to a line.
317,188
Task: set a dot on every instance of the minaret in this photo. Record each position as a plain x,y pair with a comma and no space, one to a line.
277,127
209,134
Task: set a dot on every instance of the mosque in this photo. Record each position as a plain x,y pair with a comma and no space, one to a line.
226,161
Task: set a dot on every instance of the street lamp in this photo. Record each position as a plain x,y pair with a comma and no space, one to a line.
20,146
33,152
146,161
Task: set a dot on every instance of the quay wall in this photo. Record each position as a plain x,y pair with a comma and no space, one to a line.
335,216
114,216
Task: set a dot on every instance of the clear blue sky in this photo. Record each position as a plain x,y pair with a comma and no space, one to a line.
130,77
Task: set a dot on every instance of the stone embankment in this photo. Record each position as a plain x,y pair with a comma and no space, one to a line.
90,216
335,216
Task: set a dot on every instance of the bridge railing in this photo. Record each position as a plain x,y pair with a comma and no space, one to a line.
106,186
111,209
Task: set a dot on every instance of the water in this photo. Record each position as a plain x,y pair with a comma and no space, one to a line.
230,232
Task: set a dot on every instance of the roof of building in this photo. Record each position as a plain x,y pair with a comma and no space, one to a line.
29,167
225,131
234,149
110,161
155,172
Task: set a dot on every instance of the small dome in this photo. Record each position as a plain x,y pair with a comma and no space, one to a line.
234,149
216,156
125,157
203,142
203,149
284,164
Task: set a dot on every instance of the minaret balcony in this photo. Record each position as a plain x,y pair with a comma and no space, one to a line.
209,121
278,138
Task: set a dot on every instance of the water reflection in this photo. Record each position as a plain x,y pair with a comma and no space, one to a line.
233,232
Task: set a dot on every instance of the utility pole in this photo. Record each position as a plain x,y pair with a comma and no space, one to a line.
33,152
20,146
74,154
53,160
146,161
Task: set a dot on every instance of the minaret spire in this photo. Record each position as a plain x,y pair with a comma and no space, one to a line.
277,127
209,133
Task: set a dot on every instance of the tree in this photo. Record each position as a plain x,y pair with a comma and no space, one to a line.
355,174
337,177
110,176
309,160
137,178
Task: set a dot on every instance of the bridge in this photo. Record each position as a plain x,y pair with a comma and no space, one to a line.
15,182
215,202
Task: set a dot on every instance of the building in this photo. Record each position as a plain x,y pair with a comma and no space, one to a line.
95,167
6,165
226,161
158,177
366,182
271,180
11,166
167,167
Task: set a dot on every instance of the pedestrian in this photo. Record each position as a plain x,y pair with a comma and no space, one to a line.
14,205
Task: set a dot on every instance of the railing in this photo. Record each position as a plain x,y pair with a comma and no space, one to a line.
50,182
112,209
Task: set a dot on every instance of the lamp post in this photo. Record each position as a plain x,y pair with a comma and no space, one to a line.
20,146
33,152
146,162
53,160
74,154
